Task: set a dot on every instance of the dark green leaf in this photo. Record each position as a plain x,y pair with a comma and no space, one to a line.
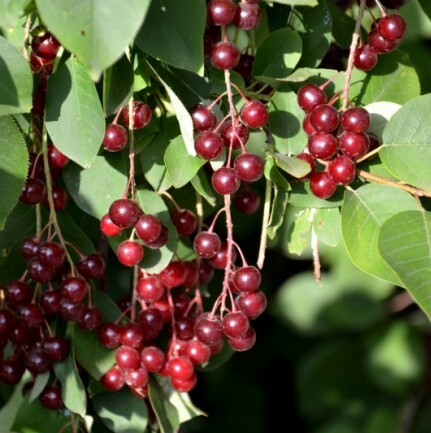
273,174
74,115
166,413
74,234
73,391
278,210
181,166
363,213
179,29
95,188
96,361
13,165
10,408
108,308
407,143
121,411
98,32
278,54
314,26
426,6
17,83
344,24
155,261
117,86
405,244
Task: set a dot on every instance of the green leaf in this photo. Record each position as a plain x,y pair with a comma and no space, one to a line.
278,209
285,118
39,384
166,412
10,408
273,174
294,166
301,196
96,361
17,83
314,26
297,2
426,6
407,143
181,166
343,29
393,79
278,54
363,213
13,166
400,341
185,407
202,186
179,29
121,411
11,11
74,115
405,244
95,188
155,261
380,113
73,233
327,223
297,234
96,31
108,308
181,112
117,86
73,391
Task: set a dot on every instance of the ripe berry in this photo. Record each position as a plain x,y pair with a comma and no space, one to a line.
115,138
310,96
11,371
50,302
89,319
69,310
221,12
131,335
356,119
184,385
209,145
6,322
185,222
307,126
124,213
108,228
342,170
36,362
153,359
55,348
208,330
225,55
130,253
45,46
247,201
324,118
29,247
141,115
113,379
148,228
365,58
206,244
225,181
322,185
17,293
51,254
248,167
252,304
38,272
380,44
353,145
203,118
32,315
149,288
180,367
136,379
235,324
247,279
234,136
245,342
198,352
322,145
173,275
206,273
51,397
184,328
74,289
151,321
219,261
33,191
60,197
127,357
91,266
392,27
247,16
109,335
56,159
160,241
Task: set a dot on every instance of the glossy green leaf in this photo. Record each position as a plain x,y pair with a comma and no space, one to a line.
380,113
400,341
407,143
181,166
294,166
155,261
405,244
285,118
393,79
11,11
173,33
117,86
278,54
74,115
166,412
314,26
96,361
17,83
278,210
202,186
13,166
95,188
96,31
73,391
121,411
363,213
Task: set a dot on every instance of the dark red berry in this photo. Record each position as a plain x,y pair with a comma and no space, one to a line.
130,253
51,397
322,145
184,328
324,118
235,136
151,321
90,318
149,288
356,119
115,138
60,198
36,362
29,247
247,279
209,145
136,379
180,367
247,201
248,167
17,293
322,184
108,228
247,16
109,335
245,342
235,324
39,272
148,228
45,46
219,261
141,115
225,55
51,254
198,352
225,181
69,310
380,44
74,289
392,27
56,159
206,272
32,315
342,170
113,379
11,371
33,191
184,385
366,58
185,222
173,275
160,241
55,348
124,213
392,4
310,96
353,145
91,266
206,244
208,330
50,302
307,126
203,118
221,12
127,358
153,359
252,304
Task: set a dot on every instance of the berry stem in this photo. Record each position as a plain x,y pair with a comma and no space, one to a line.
131,181
353,45
27,37
134,293
410,189
315,248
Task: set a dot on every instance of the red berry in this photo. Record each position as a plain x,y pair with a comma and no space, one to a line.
247,16
108,228
322,185
180,368
130,253
109,335
353,145
198,352
324,118
225,181
342,170
184,385
208,330
148,228
115,138
392,27
185,222
322,145
310,96
235,324
124,213
206,244
248,167
221,12
235,136
127,358
247,279
173,275
245,342
209,145
136,379
252,304
150,289
380,44
51,254
51,397
141,115
45,46
91,266
113,379
33,191
74,289
225,55
219,261
153,359
247,201
56,159
203,118
365,58
356,119
90,318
